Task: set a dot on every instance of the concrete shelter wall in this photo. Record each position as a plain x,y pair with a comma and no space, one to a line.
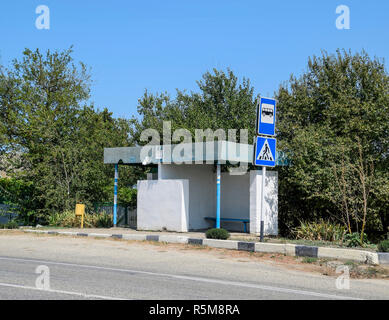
163,205
235,196
202,190
235,199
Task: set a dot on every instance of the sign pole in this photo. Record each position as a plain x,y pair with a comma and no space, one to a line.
218,175
265,146
80,211
262,203
115,197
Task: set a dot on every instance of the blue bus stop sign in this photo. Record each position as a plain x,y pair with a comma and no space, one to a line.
266,116
265,152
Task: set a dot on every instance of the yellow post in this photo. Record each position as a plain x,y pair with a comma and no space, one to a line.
80,211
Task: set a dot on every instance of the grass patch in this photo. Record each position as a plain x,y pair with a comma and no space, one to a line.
94,238
309,260
371,271
350,263
321,243
196,246
245,239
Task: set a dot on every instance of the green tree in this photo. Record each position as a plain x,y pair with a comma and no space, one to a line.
333,123
45,115
221,103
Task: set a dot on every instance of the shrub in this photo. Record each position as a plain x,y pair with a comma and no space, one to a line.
221,234
12,224
103,220
64,219
383,246
322,231
354,239
54,219
68,219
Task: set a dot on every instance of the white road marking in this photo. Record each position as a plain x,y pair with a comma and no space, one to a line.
80,294
190,278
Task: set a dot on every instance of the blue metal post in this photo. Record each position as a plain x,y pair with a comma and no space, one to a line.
218,196
115,197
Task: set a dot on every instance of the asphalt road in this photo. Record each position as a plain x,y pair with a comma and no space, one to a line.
85,268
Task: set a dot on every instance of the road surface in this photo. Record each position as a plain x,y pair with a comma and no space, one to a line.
87,268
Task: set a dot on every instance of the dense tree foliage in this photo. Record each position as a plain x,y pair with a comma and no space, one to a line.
44,115
220,103
333,122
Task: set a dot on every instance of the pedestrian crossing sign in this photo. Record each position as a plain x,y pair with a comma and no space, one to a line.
265,152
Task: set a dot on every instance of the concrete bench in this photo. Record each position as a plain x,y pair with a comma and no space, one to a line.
244,221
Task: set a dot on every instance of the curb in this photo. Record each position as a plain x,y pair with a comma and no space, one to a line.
383,257
367,257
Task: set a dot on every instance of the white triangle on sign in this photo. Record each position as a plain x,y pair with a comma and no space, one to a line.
265,153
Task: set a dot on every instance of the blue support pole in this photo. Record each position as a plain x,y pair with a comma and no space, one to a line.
218,196
115,197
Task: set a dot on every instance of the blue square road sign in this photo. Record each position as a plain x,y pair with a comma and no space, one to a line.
265,152
266,116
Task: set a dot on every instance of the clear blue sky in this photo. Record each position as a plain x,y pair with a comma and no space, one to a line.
163,45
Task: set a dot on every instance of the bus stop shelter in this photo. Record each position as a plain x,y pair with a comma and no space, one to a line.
190,192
